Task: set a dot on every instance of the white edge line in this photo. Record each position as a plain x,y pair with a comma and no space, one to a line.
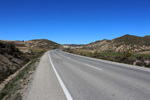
66,92
93,67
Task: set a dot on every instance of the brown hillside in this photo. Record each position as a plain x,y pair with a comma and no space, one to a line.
11,59
13,54
121,44
133,40
38,43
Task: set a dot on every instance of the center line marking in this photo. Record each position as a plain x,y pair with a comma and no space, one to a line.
68,57
66,92
64,56
93,67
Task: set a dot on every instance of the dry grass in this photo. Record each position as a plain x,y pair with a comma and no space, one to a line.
144,52
124,57
15,88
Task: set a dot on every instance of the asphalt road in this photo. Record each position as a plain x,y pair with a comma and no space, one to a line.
64,76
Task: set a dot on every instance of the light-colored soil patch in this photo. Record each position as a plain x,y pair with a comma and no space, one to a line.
144,52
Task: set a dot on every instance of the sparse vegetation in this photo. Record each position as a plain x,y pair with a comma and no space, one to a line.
126,49
134,40
8,48
11,59
133,43
122,57
13,87
14,54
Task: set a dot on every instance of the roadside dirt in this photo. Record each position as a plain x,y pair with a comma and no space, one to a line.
15,86
11,76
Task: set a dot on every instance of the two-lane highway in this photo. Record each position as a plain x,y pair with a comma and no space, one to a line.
82,78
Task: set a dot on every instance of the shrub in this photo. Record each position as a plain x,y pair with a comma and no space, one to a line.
95,54
127,54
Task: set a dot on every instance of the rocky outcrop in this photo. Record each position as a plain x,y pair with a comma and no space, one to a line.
28,51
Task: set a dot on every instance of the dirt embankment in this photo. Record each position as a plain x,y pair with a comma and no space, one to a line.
11,59
16,85
13,56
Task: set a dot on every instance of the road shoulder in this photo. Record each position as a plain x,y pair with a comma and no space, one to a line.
45,85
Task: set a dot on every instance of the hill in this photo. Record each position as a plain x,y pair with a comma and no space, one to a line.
34,46
121,44
134,40
37,43
14,54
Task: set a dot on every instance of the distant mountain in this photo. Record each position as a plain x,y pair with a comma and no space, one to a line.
121,44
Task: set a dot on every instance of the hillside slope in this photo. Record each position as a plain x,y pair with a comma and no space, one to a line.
13,54
121,44
11,59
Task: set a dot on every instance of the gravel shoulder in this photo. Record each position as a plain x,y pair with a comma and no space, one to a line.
44,85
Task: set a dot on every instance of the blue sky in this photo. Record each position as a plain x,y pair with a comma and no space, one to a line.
73,21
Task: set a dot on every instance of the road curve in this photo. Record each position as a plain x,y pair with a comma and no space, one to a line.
64,76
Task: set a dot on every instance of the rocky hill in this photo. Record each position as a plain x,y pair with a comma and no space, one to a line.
43,43
121,44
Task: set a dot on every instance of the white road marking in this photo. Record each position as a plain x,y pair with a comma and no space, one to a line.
65,56
93,67
66,92
68,57
78,62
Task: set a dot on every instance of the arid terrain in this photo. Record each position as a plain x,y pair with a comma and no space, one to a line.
128,49
14,54
121,44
